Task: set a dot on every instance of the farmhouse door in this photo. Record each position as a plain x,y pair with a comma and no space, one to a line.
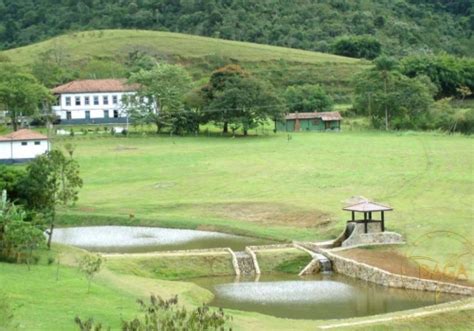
297,125
88,115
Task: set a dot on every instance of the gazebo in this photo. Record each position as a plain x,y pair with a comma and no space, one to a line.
367,208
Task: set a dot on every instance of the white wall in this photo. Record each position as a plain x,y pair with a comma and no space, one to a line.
15,150
5,150
96,111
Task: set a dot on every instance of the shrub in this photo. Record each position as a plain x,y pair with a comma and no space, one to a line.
357,46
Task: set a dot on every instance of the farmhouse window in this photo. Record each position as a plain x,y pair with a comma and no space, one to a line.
68,101
78,101
24,143
106,114
106,99
37,142
86,101
96,100
68,115
316,121
116,114
114,99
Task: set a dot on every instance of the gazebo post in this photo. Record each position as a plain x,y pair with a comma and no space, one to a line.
383,220
365,222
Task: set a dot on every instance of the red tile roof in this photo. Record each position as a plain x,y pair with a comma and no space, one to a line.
23,134
325,116
96,85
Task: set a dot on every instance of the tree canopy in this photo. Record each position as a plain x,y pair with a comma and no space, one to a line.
20,93
160,94
308,98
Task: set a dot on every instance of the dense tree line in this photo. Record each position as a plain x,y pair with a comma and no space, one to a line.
404,26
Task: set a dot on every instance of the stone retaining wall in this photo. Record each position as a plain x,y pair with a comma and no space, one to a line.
254,259
375,275
374,235
235,264
263,247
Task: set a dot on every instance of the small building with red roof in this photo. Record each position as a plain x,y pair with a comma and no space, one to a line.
22,146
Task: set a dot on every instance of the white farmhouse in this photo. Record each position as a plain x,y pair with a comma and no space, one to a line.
22,145
93,101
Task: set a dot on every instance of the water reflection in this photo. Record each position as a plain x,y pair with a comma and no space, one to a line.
128,239
317,297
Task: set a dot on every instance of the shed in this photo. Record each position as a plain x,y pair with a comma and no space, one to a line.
22,145
310,122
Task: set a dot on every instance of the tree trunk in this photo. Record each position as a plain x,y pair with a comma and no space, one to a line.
245,132
226,127
14,121
386,109
51,228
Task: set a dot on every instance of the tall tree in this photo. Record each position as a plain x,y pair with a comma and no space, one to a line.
245,102
386,95
52,179
160,94
20,93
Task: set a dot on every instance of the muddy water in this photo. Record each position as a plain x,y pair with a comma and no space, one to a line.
128,239
326,296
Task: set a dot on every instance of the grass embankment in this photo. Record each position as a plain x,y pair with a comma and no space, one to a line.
279,65
45,297
173,265
288,260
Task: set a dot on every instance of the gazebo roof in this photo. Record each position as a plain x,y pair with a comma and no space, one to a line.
367,206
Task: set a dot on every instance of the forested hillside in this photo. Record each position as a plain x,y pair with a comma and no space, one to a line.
400,27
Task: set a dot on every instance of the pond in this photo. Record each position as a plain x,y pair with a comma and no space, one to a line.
129,239
323,296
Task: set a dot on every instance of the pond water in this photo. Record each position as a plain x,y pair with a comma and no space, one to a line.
323,296
129,239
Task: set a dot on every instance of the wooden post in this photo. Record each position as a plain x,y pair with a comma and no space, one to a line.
353,216
383,221
365,222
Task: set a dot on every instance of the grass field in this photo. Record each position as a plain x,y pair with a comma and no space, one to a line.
272,187
269,186
90,53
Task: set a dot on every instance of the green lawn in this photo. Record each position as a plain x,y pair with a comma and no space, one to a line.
273,187
268,186
171,266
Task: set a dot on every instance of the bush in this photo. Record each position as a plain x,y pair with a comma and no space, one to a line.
308,98
357,46
18,238
166,315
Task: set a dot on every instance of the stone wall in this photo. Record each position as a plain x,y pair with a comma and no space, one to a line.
374,236
375,275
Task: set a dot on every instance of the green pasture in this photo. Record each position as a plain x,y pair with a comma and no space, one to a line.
284,187
106,43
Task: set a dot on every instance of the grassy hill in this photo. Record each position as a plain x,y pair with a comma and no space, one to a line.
402,26
102,54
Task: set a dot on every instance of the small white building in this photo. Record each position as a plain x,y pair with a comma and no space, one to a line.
22,145
93,101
